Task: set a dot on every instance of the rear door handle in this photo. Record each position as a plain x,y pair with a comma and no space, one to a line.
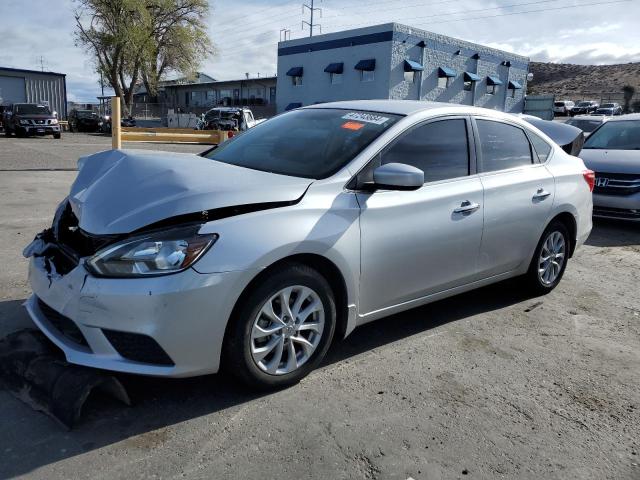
541,194
467,207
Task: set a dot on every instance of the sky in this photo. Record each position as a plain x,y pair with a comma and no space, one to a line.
38,34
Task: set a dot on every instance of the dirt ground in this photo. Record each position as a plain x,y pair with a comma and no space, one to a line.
489,384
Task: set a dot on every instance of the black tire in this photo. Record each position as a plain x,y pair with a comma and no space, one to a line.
7,132
237,359
532,278
57,135
20,133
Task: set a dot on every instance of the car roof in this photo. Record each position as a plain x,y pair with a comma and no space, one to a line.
628,116
589,117
409,107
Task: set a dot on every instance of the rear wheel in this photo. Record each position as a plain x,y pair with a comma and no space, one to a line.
550,259
282,330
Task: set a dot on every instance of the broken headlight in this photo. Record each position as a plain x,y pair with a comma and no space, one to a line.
157,253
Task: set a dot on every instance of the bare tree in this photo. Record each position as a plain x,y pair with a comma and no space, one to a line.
141,40
179,40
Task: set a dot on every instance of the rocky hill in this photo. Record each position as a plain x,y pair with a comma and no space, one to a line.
584,82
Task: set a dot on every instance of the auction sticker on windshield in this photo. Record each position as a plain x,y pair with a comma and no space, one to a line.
352,125
366,117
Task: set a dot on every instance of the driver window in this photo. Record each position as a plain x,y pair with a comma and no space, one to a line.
440,149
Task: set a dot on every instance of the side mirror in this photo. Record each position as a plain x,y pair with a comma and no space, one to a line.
398,176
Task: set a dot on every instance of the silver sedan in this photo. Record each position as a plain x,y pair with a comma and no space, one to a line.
255,255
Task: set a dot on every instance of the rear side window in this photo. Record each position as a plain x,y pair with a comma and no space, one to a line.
542,148
503,146
440,149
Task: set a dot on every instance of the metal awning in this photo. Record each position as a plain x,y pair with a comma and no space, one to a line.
291,106
295,72
411,66
493,81
471,77
334,68
514,85
446,72
368,64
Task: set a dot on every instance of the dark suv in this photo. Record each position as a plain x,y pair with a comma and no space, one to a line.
26,119
584,108
84,121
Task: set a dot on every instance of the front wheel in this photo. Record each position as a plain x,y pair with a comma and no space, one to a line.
57,135
282,329
549,260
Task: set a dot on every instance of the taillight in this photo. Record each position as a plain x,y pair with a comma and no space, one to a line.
590,178
230,134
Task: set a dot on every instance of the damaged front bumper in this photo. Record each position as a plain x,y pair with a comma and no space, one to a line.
171,325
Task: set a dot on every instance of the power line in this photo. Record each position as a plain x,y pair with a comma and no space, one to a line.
232,52
491,16
461,12
402,7
270,7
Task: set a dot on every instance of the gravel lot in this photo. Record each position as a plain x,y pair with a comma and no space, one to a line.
489,384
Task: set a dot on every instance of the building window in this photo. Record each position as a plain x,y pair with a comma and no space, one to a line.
366,76
336,78
492,89
468,86
296,81
445,82
410,76
512,92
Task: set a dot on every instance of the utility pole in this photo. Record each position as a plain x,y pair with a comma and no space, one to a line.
310,23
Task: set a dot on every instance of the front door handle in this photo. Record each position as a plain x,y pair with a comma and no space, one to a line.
467,207
541,194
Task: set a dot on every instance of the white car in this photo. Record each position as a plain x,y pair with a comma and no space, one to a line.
563,107
253,256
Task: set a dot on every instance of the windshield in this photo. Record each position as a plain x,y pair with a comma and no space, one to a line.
584,125
608,105
309,143
85,114
623,135
584,104
27,109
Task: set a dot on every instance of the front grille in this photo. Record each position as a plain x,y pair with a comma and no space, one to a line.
138,347
619,184
621,213
63,324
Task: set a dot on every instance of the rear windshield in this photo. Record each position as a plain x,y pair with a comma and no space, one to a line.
559,104
584,125
27,109
309,143
622,135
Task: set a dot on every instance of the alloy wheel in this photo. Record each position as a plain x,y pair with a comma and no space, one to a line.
552,257
287,330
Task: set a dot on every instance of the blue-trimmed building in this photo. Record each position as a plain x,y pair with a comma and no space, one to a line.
398,62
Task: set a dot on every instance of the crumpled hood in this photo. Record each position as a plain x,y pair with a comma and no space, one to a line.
119,191
611,161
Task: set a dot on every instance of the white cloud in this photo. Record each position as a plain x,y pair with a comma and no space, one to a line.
246,33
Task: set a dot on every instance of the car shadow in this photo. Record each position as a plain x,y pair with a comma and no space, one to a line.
614,233
35,441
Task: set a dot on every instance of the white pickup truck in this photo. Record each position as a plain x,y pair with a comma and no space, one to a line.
229,118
